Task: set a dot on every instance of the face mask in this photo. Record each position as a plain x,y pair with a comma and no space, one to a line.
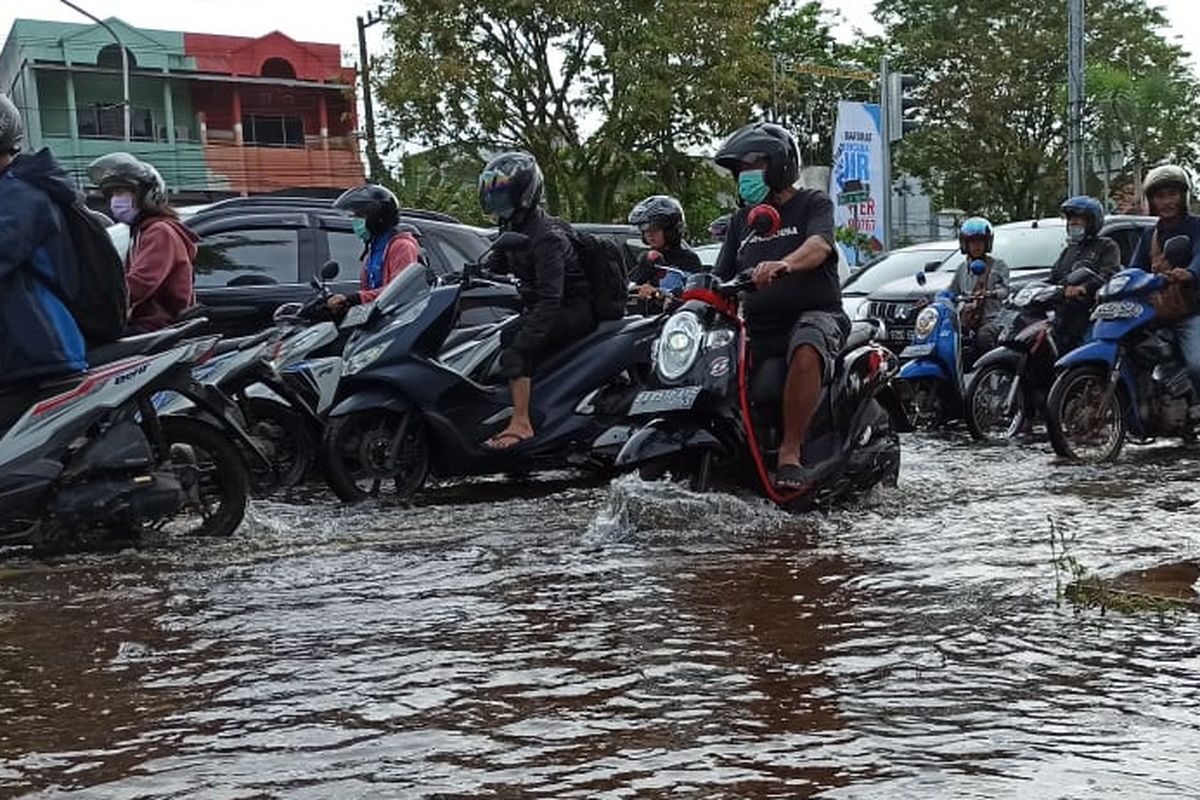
360,229
752,185
122,208
1075,233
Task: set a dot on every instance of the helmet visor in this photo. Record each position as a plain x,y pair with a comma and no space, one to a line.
495,194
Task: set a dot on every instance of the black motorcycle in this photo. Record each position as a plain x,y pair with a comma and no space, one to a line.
714,415
413,404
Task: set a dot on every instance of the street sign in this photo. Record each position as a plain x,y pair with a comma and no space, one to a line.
853,198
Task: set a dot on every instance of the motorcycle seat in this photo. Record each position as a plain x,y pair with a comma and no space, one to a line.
605,330
242,342
142,344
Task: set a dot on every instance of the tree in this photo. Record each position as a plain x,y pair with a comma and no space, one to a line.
596,92
994,97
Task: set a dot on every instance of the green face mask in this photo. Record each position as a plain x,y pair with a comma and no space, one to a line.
752,185
360,228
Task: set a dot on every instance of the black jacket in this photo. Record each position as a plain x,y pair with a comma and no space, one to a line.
1102,251
550,276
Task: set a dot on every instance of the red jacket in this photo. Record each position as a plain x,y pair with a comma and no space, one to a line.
402,251
158,272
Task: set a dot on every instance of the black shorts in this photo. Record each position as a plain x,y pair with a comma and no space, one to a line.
572,324
824,331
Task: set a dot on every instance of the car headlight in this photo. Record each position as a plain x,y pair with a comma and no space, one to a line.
360,360
679,345
926,321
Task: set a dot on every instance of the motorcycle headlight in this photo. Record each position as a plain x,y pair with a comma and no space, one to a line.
360,360
926,322
679,345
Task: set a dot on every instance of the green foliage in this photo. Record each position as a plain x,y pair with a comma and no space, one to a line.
994,95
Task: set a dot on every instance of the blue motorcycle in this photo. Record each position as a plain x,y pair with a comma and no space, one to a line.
1128,379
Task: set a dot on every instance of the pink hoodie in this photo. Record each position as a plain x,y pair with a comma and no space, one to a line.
159,273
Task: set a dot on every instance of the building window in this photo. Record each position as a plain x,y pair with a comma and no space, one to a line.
267,130
101,121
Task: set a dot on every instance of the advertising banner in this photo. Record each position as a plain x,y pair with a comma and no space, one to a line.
856,182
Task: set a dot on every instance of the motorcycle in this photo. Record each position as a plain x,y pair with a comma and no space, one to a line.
1128,379
410,406
88,460
1008,390
711,413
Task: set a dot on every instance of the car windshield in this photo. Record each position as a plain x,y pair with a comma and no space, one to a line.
1024,248
900,264
411,284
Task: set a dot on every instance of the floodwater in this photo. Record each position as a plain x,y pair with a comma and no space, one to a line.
595,641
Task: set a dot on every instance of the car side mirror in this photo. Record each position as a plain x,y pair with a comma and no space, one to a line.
1178,251
330,270
932,266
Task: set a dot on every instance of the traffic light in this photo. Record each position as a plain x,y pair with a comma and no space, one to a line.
901,105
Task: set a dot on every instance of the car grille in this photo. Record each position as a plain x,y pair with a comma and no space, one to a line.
892,313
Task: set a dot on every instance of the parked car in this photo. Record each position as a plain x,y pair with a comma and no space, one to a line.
903,262
1030,249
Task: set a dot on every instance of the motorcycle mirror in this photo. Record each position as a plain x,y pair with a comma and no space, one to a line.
1178,251
510,240
330,270
764,220
978,266
921,279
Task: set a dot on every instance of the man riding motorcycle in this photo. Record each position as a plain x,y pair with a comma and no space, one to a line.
797,311
387,251
555,294
660,219
1168,191
986,286
1085,218
39,337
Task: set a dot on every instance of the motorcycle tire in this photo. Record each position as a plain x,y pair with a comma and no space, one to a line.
293,446
365,436
1063,408
224,478
978,383
924,401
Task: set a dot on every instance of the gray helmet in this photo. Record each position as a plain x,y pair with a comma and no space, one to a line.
11,130
1167,175
123,171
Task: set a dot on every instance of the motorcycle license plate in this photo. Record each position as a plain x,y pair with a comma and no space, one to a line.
1122,309
655,401
358,315
917,350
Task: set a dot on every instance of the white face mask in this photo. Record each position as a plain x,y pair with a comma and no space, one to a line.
1076,233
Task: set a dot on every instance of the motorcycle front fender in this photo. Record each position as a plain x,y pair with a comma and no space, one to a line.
1095,352
890,400
924,369
658,438
215,407
369,399
1006,356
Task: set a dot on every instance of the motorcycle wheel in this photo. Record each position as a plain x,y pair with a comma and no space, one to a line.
292,445
355,451
223,481
1083,425
924,403
987,394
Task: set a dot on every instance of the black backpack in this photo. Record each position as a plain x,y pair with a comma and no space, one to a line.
605,263
99,302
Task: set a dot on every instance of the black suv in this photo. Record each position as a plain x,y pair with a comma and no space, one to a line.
1030,249
257,253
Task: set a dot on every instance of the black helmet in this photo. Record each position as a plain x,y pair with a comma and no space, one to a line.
374,203
663,212
124,171
760,140
510,183
11,130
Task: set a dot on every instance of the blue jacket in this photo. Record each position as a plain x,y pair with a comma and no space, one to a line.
1189,226
38,335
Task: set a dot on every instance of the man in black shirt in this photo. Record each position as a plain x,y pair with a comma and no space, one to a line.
797,311
661,220
555,296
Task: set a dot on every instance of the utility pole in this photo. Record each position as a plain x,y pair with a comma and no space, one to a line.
885,124
1075,98
124,59
374,165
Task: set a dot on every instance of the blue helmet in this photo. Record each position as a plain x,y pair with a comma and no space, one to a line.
975,228
1087,207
